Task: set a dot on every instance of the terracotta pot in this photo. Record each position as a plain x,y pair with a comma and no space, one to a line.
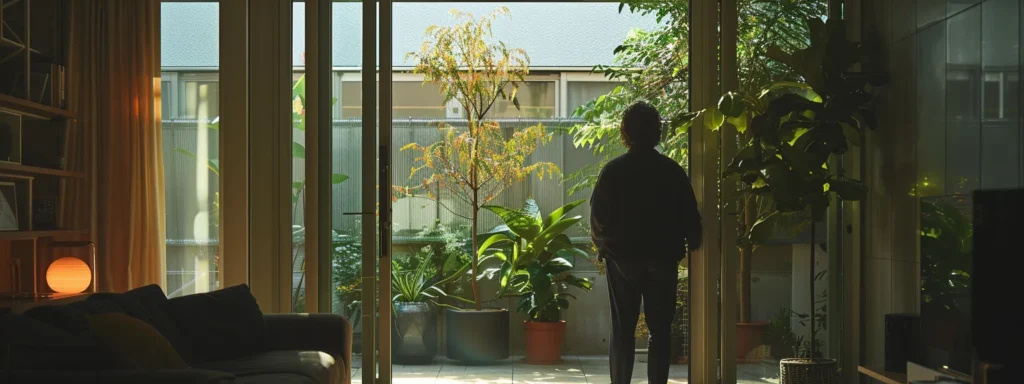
544,342
750,336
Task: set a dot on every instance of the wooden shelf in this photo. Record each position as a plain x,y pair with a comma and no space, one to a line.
33,109
35,171
28,235
883,376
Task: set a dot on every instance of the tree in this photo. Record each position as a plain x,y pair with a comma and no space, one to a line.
478,164
653,66
795,129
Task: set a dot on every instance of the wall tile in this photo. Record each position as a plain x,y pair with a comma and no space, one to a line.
906,289
877,302
930,11
931,101
904,19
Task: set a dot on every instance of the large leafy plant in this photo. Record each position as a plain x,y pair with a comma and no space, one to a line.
535,258
794,129
947,236
476,165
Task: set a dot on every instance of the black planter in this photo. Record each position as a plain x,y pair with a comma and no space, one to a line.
414,335
477,337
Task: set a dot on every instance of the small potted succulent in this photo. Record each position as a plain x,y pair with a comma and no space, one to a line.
417,292
536,258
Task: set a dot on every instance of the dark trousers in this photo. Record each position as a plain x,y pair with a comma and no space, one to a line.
654,283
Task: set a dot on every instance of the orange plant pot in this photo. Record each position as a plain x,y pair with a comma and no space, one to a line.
544,342
749,336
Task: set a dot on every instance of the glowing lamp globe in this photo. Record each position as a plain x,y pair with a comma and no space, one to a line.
68,275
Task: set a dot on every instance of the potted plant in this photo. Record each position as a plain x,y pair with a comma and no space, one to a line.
476,164
536,257
417,292
795,130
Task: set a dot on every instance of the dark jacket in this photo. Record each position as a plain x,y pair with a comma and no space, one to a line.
643,208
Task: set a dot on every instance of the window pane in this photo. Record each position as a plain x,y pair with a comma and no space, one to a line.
411,99
581,92
536,100
191,98
190,146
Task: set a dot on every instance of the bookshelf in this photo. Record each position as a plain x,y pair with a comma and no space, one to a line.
35,150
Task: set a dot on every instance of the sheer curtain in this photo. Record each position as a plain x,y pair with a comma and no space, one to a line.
113,84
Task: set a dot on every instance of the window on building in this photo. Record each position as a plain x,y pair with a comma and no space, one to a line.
537,100
582,92
193,88
411,99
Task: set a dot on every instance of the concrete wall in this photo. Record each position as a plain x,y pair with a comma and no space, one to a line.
933,140
553,34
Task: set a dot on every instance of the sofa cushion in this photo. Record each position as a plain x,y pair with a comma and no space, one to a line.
154,301
222,325
133,343
317,367
36,345
71,317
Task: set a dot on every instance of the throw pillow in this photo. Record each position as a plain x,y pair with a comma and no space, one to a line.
153,299
30,344
133,343
222,325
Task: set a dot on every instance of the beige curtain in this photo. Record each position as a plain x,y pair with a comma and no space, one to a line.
114,85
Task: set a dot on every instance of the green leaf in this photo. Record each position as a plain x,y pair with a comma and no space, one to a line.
762,230
495,239
517,221
298,151
713,119
556,266
739,122
337,178
557,214
732,104
848,189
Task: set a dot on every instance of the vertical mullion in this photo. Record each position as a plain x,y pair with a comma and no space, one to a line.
282,79
269,84
318,156
705,264
234,118
369,203
846,296
730,200
384,103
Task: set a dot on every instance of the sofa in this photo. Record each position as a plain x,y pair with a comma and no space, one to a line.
141,336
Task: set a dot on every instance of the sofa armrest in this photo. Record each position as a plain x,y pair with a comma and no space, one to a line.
323,332
176,376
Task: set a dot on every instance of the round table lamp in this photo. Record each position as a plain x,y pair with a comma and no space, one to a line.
68,275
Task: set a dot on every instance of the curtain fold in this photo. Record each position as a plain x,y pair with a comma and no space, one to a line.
114,84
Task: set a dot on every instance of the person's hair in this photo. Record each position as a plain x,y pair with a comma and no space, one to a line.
641,126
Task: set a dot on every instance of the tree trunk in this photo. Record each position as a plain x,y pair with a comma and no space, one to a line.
476,287
746,257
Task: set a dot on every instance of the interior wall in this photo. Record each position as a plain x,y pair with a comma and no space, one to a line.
937,136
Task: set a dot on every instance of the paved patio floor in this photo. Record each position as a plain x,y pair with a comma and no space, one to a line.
575,369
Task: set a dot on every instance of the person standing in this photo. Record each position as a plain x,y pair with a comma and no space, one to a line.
644,221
